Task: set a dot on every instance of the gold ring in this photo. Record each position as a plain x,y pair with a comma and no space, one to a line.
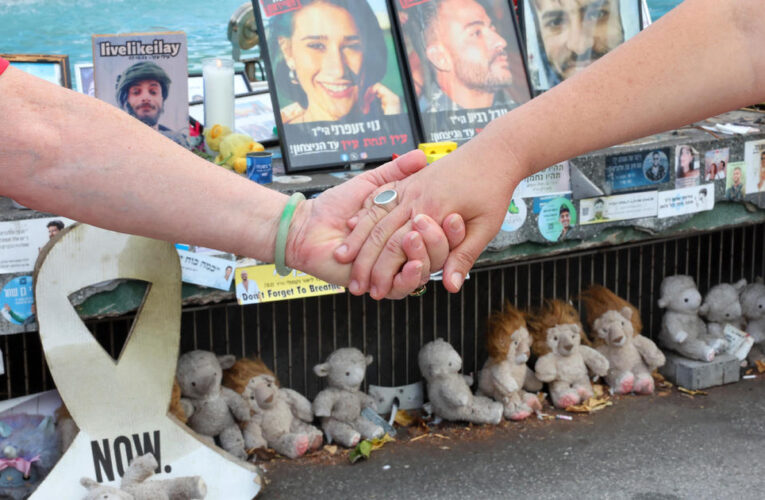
419,292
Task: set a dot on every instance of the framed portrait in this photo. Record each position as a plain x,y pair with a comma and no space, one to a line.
562,37
53,68
465,63
335,71
83,78
144,74
197,88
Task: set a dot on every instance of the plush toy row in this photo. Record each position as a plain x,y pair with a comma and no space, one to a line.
737,304
243,407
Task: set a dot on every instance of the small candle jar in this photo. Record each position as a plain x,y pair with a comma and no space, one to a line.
218,80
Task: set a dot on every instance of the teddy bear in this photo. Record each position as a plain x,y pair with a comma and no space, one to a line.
134,485
753,309
505,374
563,360
339,405
211,409
448,392
682,330
615,329
283,415
721,305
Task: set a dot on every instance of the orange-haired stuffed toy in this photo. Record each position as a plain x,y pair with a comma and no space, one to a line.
505,374
615,328
557,331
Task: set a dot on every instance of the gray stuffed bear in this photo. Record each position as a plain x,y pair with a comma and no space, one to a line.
448,392
721,305
682,330
753,308
282,416
339,405
211,408
134,485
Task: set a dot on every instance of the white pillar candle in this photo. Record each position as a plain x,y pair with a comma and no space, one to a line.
218,80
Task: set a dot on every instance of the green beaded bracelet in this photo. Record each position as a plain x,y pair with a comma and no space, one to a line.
281,234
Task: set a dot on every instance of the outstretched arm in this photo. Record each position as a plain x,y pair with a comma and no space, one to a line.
642,87
73,155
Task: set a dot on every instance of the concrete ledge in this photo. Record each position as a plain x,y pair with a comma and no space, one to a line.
692,374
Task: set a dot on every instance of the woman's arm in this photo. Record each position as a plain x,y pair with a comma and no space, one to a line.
69,154
636,90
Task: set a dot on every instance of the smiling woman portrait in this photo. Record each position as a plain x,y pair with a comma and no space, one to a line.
331,59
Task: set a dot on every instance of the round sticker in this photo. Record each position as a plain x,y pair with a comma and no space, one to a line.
16,300
656,166
515,215
556,218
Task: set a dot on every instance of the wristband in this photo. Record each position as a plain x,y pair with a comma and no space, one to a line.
281,234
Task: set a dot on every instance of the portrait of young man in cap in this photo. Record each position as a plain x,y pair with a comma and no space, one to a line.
142,90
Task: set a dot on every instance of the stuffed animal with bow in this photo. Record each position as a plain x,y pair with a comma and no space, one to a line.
615,327
506,376
563,361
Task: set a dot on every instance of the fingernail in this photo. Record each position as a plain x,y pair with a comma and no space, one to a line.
416,241
457,279
373,291
353,287
454,224
420,222
418,267
342,250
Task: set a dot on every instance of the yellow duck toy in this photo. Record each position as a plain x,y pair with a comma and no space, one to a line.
232,147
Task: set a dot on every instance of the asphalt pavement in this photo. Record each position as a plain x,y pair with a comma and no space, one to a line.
641,448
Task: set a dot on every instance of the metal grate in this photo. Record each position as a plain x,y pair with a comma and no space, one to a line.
292,336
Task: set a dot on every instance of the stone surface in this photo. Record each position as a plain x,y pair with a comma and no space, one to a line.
692,374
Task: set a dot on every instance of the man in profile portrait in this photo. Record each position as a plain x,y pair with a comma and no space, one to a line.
465,57
142,91
656,171
574,33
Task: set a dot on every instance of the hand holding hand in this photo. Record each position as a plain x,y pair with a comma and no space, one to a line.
320,225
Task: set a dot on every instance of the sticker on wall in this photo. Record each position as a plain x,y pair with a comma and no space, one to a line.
17,301
206,270
754,157
735,181
634,170
687,171
715,163
618,207
515,215
22,240
552,180
556,218
255,284
686,200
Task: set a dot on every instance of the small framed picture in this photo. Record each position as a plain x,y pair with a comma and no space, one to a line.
53,68
335,71
254,116
465,63
197,88
564,36
83,78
